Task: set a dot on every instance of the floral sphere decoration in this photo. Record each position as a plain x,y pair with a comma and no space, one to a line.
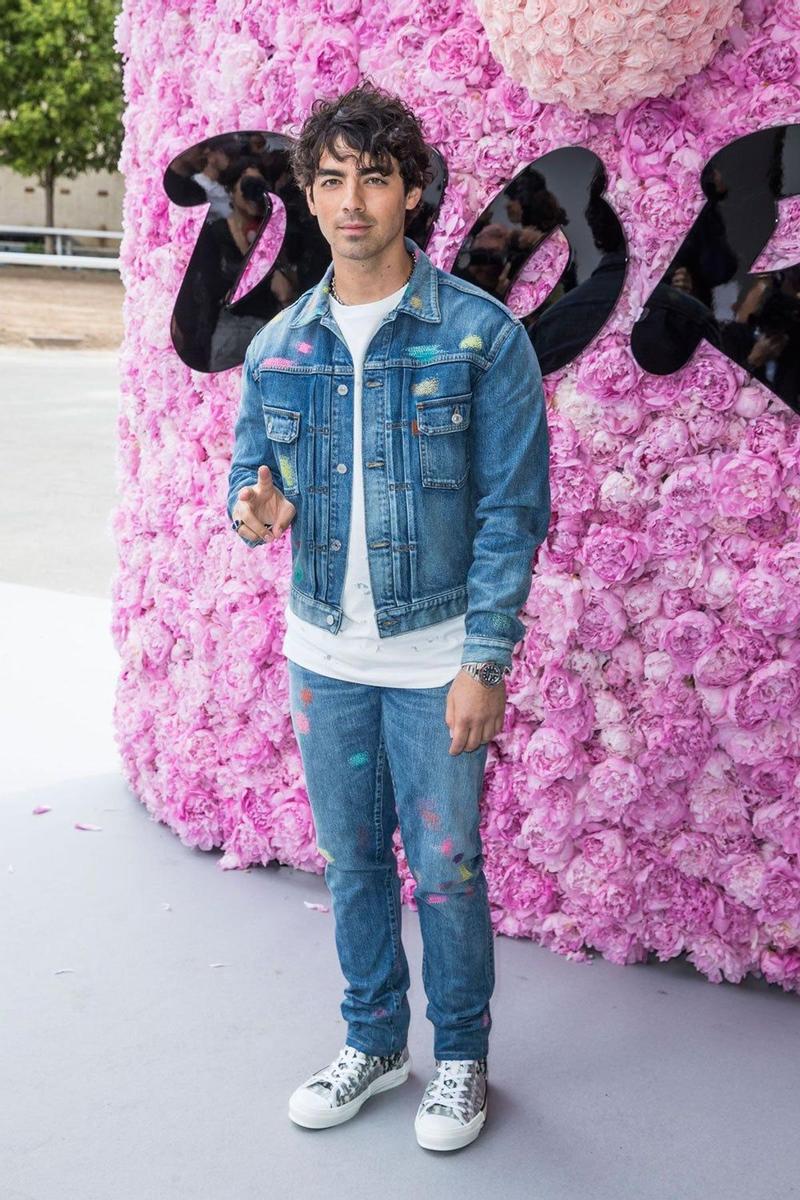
602,57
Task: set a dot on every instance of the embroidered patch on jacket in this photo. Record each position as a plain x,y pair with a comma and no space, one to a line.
423,353
473,341
325,855
276,362
415,302
287,470
304,347
425,387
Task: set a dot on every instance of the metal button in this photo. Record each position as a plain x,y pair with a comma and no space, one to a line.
456,418
336,544
342,389
341,468
329,620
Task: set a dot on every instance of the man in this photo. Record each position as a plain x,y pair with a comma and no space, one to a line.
393,417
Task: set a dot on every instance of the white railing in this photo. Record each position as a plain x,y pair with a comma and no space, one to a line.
64,256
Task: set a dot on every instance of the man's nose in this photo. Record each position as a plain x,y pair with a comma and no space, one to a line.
353,199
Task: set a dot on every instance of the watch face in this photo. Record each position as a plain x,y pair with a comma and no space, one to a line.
491,673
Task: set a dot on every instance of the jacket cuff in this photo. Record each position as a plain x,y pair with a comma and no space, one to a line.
479,649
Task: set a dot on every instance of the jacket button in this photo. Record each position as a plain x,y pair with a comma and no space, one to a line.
342,389
456,418
341,468
329,620
336,544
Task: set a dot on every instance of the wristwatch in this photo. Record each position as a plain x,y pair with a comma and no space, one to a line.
487,673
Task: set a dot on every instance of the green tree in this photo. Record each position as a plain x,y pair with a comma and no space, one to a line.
60,90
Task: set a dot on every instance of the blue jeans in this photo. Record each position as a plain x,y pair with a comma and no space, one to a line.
375,757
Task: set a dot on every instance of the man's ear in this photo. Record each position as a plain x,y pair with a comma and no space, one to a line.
309,200
413,197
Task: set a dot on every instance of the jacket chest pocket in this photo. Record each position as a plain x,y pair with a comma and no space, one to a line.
442,426
283,430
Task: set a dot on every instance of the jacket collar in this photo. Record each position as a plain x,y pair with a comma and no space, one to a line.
420,299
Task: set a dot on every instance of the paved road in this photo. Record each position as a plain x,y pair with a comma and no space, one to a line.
58,418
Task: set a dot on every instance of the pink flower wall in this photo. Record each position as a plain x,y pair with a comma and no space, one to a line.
643,798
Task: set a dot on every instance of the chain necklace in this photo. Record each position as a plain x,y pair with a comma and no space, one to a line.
339,300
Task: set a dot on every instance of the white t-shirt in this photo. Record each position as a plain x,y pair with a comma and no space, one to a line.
426,657
218,198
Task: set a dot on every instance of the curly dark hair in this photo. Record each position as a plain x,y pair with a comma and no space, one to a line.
369,120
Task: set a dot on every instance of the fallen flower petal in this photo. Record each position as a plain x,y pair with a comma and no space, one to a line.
86,825
317,907
41,808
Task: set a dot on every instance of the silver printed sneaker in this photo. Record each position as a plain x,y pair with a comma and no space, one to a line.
453,1107
336,1092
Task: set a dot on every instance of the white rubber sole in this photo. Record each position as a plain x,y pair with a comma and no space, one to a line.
310,1117
460,1135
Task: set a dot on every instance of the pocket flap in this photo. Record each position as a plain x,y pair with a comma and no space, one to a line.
446,414
282,424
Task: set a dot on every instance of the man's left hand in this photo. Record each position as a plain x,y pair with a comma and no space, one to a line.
474,712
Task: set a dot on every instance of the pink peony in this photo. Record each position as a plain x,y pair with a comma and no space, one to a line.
744,484
612,555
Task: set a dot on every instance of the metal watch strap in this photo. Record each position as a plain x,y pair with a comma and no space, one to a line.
498,669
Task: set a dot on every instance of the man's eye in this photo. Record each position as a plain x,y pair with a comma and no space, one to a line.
376,179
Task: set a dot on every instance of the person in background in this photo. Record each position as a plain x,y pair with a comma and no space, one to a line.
216,159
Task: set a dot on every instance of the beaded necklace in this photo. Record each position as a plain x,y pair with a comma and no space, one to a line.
339,300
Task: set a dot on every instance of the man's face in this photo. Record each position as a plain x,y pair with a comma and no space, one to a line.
360,211
217,158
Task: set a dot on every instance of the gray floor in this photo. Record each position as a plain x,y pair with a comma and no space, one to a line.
58,419
157,1011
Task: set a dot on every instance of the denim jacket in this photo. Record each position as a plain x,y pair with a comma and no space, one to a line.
455,456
